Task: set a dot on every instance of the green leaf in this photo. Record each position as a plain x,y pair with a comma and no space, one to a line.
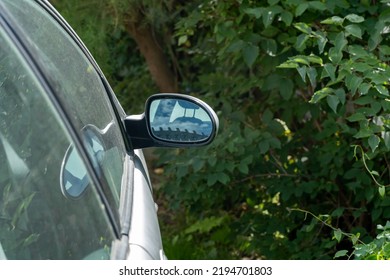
243,168
386,139
264,146
375,173
340,253
357,51
338,234
356,117
182,40
364,88
333,102
248,160
267,116
225,31
212,161
182,171
363,133
364,100
355,18
335,56
386,104
212,179
198,164
384,50
302,72
361,67
340,93
270,46
382,191
250,53
303,27
312,74
287,17
355,238
330,69
223,178
275,143
338,212
368,111
386,251
236,46
300,44
317,5
354,30
382,90
269,14
205,225
314,59
373,142
321,42
286,88
289,64
272,82
301,9
302,59
256,12
374,39
340,42
320,94
335,20
353,82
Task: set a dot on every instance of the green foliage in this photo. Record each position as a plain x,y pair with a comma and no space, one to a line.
301,90
377,249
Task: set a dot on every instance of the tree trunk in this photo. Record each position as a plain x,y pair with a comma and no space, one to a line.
155,57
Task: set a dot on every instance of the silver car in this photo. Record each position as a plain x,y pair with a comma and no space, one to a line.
73,179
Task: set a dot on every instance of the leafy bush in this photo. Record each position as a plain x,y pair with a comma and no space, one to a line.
301,89
300,167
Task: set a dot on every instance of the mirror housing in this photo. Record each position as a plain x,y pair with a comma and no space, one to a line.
172,120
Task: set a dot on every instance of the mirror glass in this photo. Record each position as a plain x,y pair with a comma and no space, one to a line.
74,175
178,120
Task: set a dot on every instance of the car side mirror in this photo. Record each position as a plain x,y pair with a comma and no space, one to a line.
172,120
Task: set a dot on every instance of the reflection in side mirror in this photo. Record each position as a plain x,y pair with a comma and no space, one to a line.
179,120
74,176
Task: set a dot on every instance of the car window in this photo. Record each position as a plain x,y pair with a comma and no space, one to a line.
77,85
36,220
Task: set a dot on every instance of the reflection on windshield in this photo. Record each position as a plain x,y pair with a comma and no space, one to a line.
75,179
179,120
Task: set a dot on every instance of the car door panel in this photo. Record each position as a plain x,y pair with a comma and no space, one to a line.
144,235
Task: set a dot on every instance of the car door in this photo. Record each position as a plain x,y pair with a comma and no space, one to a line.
36,220
98,151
